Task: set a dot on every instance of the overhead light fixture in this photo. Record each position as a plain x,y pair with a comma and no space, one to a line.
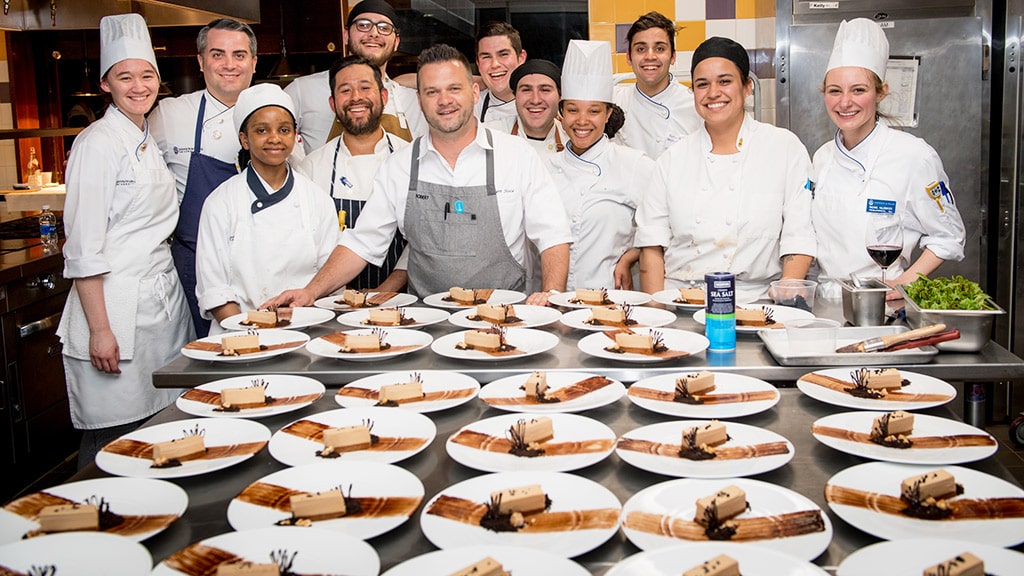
282,70
88,87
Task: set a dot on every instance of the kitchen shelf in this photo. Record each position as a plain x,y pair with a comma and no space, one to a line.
38,133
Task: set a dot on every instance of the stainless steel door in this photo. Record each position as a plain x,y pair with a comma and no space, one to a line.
1007,216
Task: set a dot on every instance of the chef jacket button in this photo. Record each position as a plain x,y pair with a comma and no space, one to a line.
220,120
728,222
217,134
259,204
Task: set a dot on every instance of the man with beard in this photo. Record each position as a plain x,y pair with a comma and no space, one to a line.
466,216
347,165
370,32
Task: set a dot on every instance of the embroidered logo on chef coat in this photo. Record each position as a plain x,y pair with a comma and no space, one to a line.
182,149
938,192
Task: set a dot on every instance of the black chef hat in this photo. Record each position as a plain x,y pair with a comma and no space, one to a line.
718,47
536,66
374,7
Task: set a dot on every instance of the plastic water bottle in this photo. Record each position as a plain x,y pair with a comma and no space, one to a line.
48,230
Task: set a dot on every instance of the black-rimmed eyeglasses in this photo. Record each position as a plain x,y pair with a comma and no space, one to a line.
383,28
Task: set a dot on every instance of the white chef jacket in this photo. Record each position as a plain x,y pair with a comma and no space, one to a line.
888,165
742,225
528,203
545,148
352,179
655,123
249,258
496,107
600,191
119,211
173,126
314,117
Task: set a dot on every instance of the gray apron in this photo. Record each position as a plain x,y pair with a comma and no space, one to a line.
455,236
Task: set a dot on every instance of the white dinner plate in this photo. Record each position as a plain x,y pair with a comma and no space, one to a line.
526,340
675,500
531,316
129,497
397,301
885,478
242,438
740,436
420,316
668,298
513,560
294,338
568,493
594,442
919,384
498,297
924,426
292,444
402,342
508,394
913,555
675,340
753,561
316,551
644,317
726,383
302,317
392,488
444,390
781,315
78,554
289,392
631,297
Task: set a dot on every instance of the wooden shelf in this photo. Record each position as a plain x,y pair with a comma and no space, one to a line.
38,133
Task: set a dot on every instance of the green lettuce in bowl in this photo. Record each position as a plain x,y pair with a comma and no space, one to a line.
956,293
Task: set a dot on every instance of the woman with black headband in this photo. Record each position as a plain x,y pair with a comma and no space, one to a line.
733,196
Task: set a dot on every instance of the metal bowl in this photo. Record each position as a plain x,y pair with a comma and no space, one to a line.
975,325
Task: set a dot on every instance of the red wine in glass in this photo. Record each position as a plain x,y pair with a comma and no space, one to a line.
884,255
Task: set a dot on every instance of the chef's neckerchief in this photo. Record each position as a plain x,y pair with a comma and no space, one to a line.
265,200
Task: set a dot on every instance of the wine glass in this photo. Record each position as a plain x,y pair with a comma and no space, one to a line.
883,238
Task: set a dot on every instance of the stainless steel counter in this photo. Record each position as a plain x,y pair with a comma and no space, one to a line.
993,363
812,465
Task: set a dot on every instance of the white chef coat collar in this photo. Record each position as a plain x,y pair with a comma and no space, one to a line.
380,146
591,160
742,139
214,105
129,127
656,102
264,182
480,140
857,158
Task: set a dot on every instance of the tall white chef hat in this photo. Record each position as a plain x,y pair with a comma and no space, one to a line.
260,96
587,71
860,42
124,36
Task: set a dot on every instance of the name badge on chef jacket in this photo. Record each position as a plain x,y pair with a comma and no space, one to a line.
876,206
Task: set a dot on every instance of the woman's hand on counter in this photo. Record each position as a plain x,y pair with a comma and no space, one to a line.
104,353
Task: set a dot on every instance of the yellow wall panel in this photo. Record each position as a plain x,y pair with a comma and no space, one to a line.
666,8
689,34
627,11
619,63
602,10
601,31
746,8
764,8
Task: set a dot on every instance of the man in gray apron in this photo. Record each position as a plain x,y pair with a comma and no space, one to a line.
467,219
198,140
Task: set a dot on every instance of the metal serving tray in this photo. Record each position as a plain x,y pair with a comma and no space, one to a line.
975,326
777,342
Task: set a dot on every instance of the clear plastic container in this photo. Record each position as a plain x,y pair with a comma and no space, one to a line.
48,229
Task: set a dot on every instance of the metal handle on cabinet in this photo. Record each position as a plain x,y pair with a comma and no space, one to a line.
39,325
44,281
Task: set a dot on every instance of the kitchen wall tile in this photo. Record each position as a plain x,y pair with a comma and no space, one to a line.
719,9
602,10
666,8
603,31
621,45
5,72
689,10
746,33
746,8
619,64
689,34
765,31
723,28
764,8
629,11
